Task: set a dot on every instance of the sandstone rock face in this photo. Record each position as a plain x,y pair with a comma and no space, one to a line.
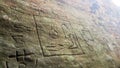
59,34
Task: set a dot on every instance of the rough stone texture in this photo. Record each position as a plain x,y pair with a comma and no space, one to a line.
59,34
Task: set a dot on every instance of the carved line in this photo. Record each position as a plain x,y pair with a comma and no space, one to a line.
7,64
17,56
62,54
74,36
65,29
53,29
14,13
79,44
42,47
107,44
18,39
36,63
77,40
20,55
38,35
71,36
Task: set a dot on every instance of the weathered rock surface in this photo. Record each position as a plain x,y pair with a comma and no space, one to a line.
59,34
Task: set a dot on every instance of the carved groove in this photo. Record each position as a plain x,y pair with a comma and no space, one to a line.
18,39
77,40
79,44
106,41
7,65
73,37
64,31
70,36
21,57
17,56
36,63
13,14
62,54
38,34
